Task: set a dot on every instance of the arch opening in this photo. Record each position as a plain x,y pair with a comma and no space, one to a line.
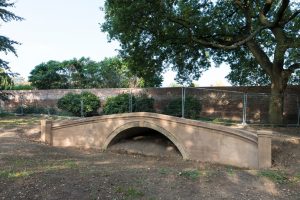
145,141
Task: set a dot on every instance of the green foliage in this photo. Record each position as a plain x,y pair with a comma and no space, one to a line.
118,104
275,176
192,107
157,34
7,45
72,103
191,174
8,174
49,75
123,103
5,80
22,87
130,193
84,73
143,103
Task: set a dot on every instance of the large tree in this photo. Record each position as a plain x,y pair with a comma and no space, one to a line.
188,34
6,46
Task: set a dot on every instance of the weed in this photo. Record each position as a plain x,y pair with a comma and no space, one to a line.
274,175
12,174
130,193
230,171
70,164
191,174
164,171
296,178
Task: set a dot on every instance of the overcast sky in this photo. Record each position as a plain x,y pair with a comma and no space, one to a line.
66,29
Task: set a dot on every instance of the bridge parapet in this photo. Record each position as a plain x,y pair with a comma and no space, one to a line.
195,140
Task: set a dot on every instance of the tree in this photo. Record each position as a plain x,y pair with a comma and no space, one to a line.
250,75
187,35
6,44
116,74
84,73
5,80
50,75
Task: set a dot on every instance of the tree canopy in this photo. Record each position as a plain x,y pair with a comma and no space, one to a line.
6,44
84,73
256,38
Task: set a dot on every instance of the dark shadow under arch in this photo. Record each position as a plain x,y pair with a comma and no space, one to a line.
133,129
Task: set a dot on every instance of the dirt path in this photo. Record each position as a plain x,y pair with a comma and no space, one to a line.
30,170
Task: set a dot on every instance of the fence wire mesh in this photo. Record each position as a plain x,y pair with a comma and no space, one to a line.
217,106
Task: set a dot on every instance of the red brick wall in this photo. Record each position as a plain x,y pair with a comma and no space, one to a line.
217,102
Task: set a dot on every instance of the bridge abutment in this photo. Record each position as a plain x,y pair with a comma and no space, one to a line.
264,149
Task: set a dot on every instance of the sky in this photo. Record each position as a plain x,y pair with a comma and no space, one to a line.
66,29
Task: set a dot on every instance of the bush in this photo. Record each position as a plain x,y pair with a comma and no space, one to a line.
117,104
192,108
72,103
121,104
143,103
22,87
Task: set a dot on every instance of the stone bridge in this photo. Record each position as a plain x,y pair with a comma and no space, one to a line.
195,140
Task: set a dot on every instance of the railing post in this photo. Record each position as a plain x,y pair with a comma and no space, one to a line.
264,149
81,108
130,101
183,102
245,109
21,99
298,106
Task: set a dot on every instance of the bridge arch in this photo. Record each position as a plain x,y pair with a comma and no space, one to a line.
149,125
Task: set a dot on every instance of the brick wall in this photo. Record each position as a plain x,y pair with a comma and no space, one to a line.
217,102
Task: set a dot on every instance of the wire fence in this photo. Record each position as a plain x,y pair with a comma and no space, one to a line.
217,106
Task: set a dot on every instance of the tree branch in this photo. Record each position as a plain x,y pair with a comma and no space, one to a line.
228,46
280,13
220,45
260,56
294,15
293,42
267,7
294,67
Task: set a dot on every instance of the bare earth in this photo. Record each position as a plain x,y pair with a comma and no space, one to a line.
31,170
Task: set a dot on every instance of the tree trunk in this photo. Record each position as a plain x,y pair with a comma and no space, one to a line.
278,87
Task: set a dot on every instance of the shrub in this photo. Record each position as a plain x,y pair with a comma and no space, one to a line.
143,103
192,107
118,104
22,87
121,104
72,103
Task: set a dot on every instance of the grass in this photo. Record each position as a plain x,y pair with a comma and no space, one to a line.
230,171
63,164
296,178
164,171
8,174
191,174
130,193
274,175
13,120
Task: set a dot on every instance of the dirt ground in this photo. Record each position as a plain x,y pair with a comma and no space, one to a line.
31,170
